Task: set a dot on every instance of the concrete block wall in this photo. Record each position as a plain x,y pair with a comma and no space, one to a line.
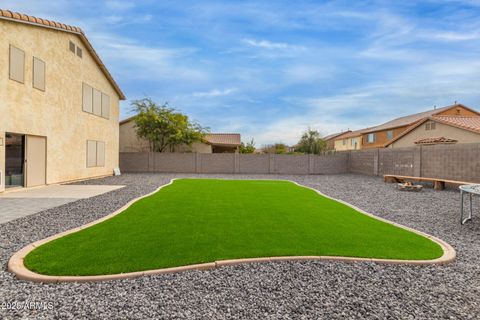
233,163
362,161
455,162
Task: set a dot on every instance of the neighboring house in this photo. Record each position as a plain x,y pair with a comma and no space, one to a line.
330,139
213,142
439,130
382,135
59,105
351,140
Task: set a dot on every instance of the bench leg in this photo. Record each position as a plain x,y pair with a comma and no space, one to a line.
439,185
390,179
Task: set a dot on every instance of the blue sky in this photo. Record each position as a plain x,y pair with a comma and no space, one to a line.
272,69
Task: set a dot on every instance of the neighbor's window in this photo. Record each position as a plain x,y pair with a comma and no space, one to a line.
430,126
371,138
95,153
344,142
79,52
17,64
390,135
38,74
352,141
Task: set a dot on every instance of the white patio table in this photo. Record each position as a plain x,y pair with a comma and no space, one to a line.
470,189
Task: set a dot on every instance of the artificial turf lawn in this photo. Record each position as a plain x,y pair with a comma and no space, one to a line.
204,220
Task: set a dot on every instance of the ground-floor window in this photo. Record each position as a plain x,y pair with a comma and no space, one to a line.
95,153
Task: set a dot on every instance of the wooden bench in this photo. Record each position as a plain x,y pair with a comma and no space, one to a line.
438,183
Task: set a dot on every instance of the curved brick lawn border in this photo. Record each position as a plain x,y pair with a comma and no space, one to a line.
15,264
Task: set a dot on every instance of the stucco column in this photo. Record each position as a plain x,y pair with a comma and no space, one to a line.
311,163
271,164
237,162
417,161
198,162
375,161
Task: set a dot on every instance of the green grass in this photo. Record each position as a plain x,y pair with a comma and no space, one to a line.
204,220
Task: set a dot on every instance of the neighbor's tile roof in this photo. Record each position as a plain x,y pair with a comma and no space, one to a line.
408,120
467,123
413,118
435,140
23,18
352,134
232,139
335,135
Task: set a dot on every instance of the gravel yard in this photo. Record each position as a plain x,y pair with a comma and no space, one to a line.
307,289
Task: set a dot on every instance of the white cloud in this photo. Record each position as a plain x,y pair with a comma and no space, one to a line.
455,36
137,61
214,93
265,44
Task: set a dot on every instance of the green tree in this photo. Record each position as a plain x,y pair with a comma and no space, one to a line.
248,147
163,127
311,143
278,148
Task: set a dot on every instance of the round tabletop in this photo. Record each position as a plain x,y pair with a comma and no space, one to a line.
470,188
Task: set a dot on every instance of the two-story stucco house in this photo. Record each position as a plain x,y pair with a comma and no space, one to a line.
384,135
59,105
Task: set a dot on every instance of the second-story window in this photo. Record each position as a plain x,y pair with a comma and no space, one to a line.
96,102
17,64
38,74
389,134
371,138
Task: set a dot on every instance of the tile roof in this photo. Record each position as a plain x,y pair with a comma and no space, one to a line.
352,134
335,135
435,140
410,119
467,123
23,18
230,139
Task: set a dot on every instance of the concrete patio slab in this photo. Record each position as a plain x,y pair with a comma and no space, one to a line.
24,202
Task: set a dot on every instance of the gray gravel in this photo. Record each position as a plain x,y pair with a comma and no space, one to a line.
280,290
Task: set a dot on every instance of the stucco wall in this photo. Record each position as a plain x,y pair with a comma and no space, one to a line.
339,146
56,112
129,141
441,130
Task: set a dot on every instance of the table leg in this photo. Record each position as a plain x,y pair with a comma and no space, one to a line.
471,207
463,220
461,207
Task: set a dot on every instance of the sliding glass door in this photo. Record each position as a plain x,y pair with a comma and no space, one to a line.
14,160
